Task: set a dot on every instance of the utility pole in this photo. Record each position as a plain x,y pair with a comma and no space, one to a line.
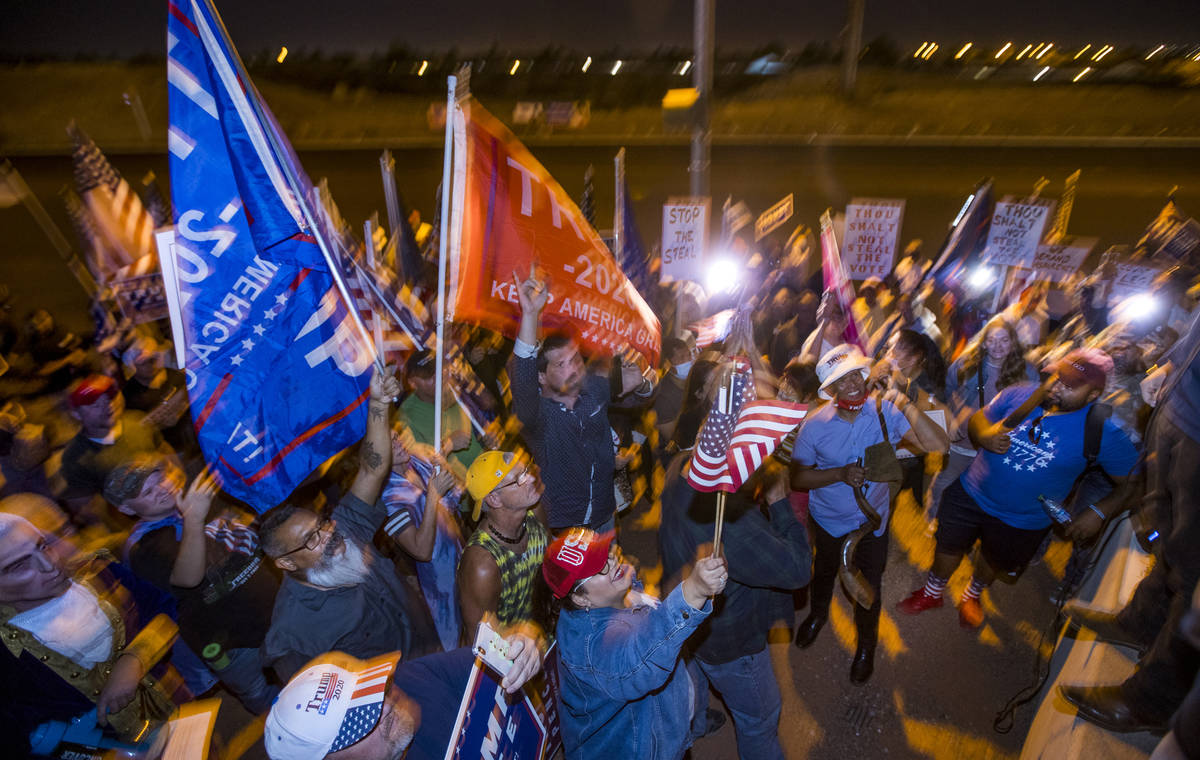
852,45
702,79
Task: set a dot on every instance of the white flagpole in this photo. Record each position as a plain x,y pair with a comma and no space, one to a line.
443,242
387,168
294,185
376,325
619,206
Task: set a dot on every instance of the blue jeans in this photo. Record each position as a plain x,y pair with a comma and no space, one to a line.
747,686
244,677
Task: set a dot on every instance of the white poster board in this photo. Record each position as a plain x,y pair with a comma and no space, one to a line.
684,238
1133,278
1059,261
773,218
871,236
1015,232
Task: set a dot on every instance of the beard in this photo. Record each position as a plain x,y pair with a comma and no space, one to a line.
348,569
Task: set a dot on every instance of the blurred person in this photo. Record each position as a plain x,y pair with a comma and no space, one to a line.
422,499
1182,742
563,409
991,362
57,354
160,392
499,572
996,501
768,558
108,436
79,637
624,692
909,314
828,460
23,454
789,336
459,444
388,708
910,268
678,357
1170,528
831,326
214,569
1028,315
338,593
869,313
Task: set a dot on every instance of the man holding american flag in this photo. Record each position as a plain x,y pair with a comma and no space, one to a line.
828,461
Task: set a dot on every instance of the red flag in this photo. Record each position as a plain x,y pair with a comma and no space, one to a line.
509,212
837,280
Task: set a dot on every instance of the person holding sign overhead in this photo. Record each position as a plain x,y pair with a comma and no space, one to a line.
564,410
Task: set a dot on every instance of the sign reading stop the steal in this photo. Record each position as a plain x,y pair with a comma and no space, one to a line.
684,237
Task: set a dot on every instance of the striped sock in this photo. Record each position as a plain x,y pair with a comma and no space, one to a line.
934,586
974,590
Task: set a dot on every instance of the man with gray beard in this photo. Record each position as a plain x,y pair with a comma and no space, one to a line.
338,593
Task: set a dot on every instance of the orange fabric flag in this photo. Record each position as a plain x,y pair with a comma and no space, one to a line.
512,213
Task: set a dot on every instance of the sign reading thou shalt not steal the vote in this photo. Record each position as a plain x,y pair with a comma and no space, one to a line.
1016,231
684,237
872,232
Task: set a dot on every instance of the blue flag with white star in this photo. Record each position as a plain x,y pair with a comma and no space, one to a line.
277,373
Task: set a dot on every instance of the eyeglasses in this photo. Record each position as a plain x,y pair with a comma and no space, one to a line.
520,480
313,539
1035,430
610,566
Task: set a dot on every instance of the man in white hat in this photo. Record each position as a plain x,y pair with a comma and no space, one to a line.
828,461
344,708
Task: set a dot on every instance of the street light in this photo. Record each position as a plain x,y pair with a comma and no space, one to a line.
687,65
1082,50
933,46
587,64
421,71
1082,74
1003,50
1041,73
282,54
516,65
1044,51
1024,50
616,67
1155,52
963,51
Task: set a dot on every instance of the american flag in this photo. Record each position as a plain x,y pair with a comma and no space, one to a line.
739,434
120,232
712,329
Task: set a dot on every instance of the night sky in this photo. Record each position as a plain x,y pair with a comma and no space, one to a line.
127,27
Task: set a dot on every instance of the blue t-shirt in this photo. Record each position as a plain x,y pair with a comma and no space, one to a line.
1044,459
826,441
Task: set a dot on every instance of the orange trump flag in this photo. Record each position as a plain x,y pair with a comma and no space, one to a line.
508,213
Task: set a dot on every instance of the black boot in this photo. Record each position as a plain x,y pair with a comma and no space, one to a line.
863,665
806,634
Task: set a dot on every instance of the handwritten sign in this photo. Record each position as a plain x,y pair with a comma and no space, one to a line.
1015,232
1059,261
872,232
771,219
684,237
1133,278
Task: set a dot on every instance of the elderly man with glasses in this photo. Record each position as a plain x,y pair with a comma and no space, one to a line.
338,593
499,570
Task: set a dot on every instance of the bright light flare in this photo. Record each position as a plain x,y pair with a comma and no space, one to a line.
1082,50
587,64
723,276
1087,70
963,50
982,277
687,66
1045,50
1003,50
1138,307
1041,73
516,65
616,67
282,54
1155,52
424,66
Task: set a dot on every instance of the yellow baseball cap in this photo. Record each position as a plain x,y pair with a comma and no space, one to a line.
485,473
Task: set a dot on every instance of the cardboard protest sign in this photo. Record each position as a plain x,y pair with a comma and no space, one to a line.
774,217
1133,278
1015,232
684,238
509,213
1059,261
494,725
735,217
872,233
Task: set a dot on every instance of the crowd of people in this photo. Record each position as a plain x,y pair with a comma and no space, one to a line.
130,583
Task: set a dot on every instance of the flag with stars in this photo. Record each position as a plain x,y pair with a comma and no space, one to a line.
739,433
277,372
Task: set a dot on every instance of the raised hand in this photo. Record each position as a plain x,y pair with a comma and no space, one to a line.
198,498
532,293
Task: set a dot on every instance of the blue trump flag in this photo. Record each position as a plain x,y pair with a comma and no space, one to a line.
632,256
277,373
966,239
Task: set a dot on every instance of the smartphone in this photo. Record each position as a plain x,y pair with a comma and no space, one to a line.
492,649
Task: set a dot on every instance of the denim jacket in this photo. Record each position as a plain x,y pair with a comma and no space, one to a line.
624,691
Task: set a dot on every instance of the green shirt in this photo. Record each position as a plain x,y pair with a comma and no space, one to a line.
418,415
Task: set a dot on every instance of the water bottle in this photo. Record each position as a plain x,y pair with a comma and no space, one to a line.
1055,510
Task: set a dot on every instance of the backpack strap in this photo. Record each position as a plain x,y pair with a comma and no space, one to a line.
1093,431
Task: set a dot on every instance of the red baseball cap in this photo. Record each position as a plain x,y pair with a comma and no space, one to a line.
91,389
1084,366
575,555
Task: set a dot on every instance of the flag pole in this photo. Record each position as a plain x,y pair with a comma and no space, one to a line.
387,168
619,206
376,325
443,242
294,184
725,406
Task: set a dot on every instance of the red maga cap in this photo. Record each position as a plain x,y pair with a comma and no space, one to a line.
90,389
575,555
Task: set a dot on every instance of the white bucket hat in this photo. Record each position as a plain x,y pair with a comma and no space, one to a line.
838,362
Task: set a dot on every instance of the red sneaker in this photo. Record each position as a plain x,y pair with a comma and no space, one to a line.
918,601
970,613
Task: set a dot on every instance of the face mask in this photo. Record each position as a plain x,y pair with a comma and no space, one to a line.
849,406
681,370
